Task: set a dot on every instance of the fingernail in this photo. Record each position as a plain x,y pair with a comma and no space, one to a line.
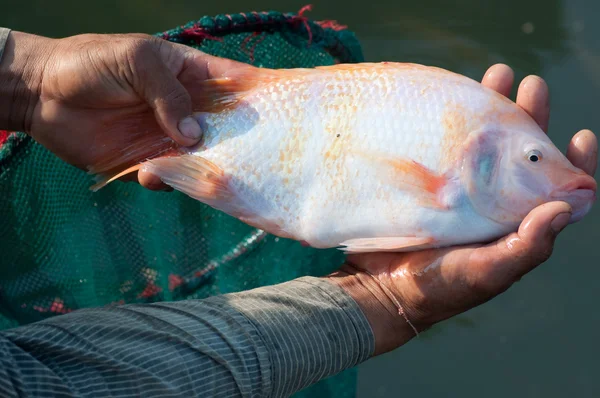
190,128
560,222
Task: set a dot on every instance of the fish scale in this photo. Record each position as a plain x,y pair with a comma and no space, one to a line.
372,157
358,96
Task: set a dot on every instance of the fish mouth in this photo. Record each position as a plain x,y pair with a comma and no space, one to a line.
580,183
580,194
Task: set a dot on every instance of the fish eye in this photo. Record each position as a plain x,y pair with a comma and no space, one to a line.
534,156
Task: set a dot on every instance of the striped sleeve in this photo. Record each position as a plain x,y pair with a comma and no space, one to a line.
266,342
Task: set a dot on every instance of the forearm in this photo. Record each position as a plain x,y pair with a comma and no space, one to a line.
21,73
270,341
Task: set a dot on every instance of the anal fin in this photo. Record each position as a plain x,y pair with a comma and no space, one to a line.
387,244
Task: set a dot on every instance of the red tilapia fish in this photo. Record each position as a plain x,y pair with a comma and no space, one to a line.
365,157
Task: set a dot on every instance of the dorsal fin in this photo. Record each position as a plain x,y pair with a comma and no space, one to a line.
215,95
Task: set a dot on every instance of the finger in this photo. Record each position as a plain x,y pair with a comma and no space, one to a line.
502,263
205,66
170,101
533,96
583,151
147,180
500,78
220,67
199,68
151,181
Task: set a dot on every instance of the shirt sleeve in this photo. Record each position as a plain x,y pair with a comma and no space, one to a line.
267,342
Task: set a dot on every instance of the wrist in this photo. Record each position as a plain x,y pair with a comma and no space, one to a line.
21,75
390,328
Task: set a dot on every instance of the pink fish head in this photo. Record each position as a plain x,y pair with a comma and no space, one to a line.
512,170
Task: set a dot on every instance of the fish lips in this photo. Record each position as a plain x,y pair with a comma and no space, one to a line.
580,194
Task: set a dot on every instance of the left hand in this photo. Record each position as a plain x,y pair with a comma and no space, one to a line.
91,93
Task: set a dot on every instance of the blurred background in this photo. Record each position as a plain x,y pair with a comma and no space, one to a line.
539,339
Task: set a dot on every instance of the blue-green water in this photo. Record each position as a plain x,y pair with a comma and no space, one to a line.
539,339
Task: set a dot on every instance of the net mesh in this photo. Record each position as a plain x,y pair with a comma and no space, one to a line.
64,247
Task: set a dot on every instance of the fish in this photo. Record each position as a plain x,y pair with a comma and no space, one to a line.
363,157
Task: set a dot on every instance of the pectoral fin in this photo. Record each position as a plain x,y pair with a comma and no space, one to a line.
426,185
387,244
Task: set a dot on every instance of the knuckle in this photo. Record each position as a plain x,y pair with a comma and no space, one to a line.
141,47
172,100
176,96
142,56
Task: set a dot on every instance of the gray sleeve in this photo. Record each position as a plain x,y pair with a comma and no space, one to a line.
266,342
4,32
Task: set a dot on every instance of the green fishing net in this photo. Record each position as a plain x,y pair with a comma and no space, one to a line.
64,247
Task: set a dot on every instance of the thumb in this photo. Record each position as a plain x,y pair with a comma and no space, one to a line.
519,253
170,101
538,231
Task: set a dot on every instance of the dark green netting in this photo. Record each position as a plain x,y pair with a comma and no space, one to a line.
64,247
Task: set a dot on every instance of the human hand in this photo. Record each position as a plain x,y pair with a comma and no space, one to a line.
432,285
87,96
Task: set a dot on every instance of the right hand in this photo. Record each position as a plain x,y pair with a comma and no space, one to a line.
433,285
